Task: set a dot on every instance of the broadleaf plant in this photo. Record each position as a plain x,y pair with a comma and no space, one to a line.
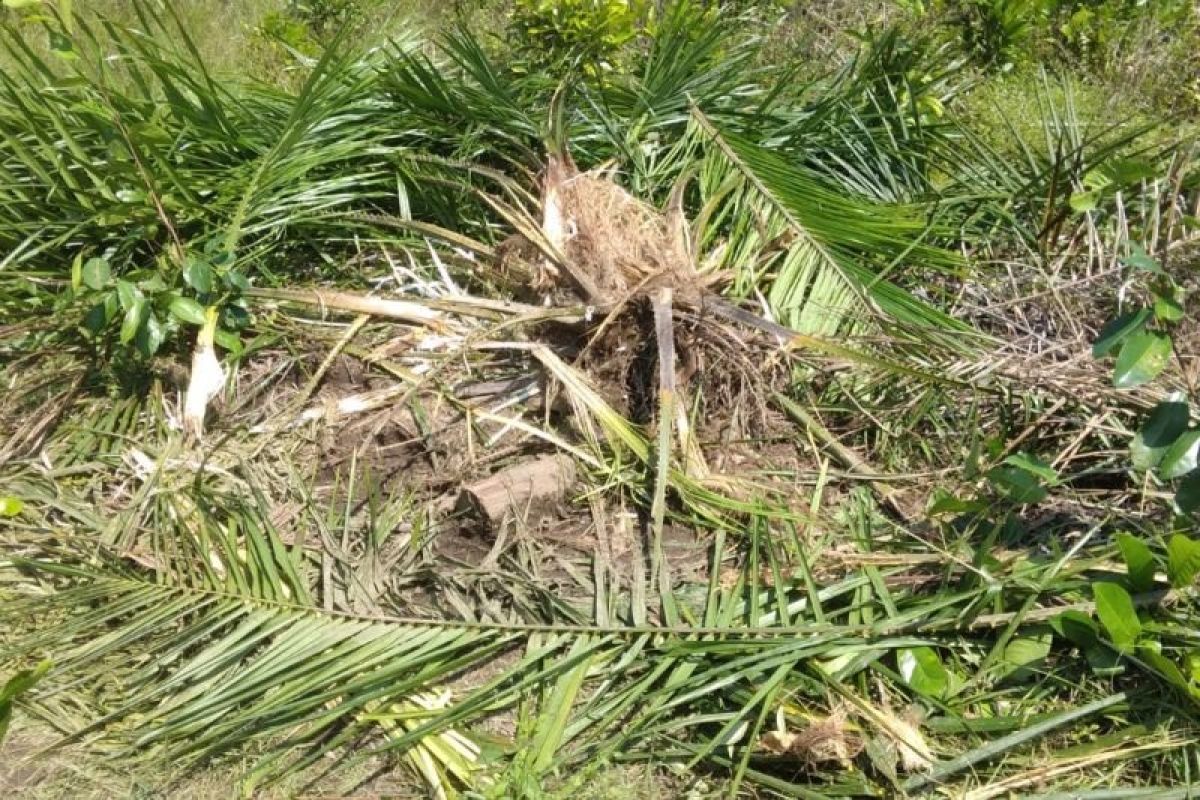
1142,339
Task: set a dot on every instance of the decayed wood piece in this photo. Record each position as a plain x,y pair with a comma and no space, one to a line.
517,488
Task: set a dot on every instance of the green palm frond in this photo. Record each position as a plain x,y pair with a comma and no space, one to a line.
137,145
829,255
219,670
192,639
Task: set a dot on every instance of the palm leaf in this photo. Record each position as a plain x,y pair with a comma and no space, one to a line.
825,283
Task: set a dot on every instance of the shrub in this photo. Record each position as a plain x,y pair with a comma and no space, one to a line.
1002,33
998,33
589,31
283,27
308,25
324,18
1093,29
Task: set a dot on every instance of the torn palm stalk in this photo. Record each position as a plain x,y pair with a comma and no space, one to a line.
207,378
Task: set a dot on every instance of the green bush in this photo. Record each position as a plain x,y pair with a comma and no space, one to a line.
324,18
1093,29
999,33
1003,33
285,28
589,31
308,25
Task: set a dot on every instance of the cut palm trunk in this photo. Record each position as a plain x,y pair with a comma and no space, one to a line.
519,490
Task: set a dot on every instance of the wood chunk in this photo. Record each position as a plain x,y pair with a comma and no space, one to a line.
516,489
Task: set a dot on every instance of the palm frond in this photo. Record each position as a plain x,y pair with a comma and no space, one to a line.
825,247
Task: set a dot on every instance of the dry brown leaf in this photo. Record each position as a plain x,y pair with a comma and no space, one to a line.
827,740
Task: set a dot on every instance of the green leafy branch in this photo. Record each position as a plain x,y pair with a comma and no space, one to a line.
1167,445
145,307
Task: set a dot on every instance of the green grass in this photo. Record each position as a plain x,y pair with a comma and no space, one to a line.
224,32
235,39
